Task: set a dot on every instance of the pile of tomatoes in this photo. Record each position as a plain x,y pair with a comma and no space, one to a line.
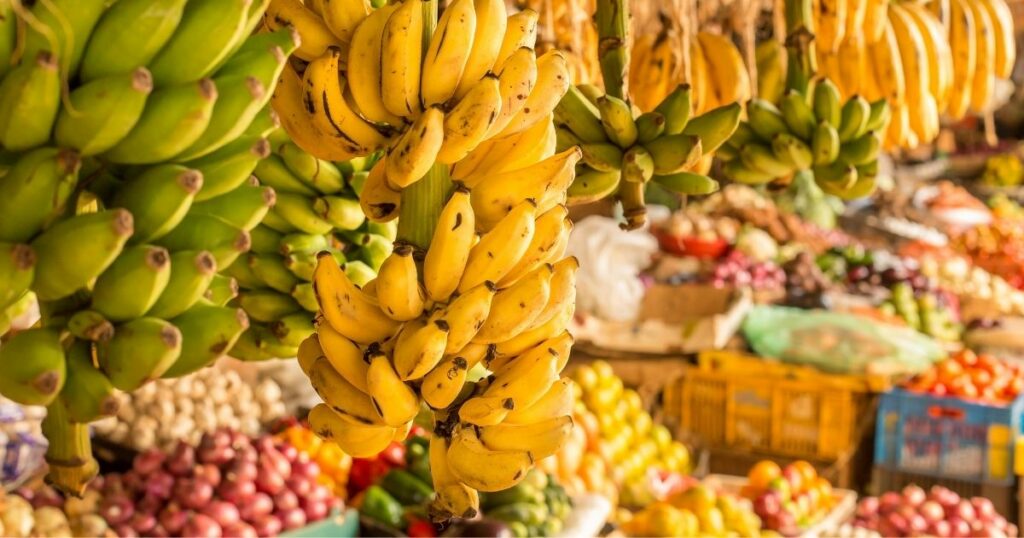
788,498
972,376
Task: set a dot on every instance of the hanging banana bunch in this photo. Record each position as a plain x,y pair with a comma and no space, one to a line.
567,25
317,210
129,131
477,276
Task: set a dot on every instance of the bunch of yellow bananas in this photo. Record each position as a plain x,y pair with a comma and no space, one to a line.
493,288
926,60
718,75
567,27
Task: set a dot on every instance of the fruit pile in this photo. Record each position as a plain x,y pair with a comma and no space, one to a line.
316,210
227,485
698,511
924,62
972,376
168,410
622,151
44,512
493,284
788,499
739,270
998,248
931,312
814,131
939,512
334,463
129,132
965,279
1003,170
537,506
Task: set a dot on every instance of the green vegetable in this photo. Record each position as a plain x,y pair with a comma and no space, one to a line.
380,506
406,488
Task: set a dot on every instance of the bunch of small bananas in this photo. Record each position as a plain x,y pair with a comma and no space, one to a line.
621,153
317,210
492,287
718,75
838,141
128,131
925,59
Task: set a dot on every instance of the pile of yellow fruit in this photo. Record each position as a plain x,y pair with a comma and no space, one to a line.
698,511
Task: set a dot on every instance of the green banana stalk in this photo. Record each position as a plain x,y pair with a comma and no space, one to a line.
192,272
159,197
140,351
32,366
133,283
75,251
207,333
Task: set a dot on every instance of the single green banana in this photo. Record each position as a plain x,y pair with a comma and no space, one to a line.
790,149
298,211
262,55
878,119
860,150
373,250
687,183
265,240
207,333
342,213
301,264
253,22
203,232
826,103
29,101
292,329
242,208
76,250
590,92
726,153
160,198
304,295
637,165
319,174
649,125
740,173
32,366
67,25
798,114
222,290
265,123
133,283
129,35
267,306
765,119
270,268
868,169
272,171
675,153
864,186
230,166
35,191
192,272
208,31
174,118
676,107
87,394
274,221
759,157
240,99
259,344
602,156
388,230
715,126
854,118
359,272
356,182
565,139
103,112
243,274
306,243
838,174
140,351
617,121
91,326
17,267
825,144
576,115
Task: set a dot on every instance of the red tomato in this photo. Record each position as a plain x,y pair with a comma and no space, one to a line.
939,389
949,370
966,389
966,358
981,378
394,454
365,472
420,528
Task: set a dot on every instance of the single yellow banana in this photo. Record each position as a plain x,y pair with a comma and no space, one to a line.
465,315
563,291
380,203
1003,29
515,82
324,91
395,401
466,126
420,346
830,24
963,42
547,231
415,151
308,352
443,384
365,51
352,405
940,57
344,355
499,249
533,337
453,497
888,66
400,59
984,82
398,286
297,121
541,439
449,50
448,253
342,17
520,32
514,152
316,37
357,440
491,21
914,55
483,469
730,79
484,411
557,401
347,308
544,182
875,17
515,307
551,84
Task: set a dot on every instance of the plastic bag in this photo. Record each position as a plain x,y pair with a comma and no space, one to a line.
838,343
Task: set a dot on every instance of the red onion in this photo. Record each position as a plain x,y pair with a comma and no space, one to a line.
889,502
984,508
285,500
133,482
224,513
277,461
208,473
319,492
47,497
173,518
306,467
267,525
300,485
242,470
160,485
116,509
182,460
247,454
218,455
292,519
959,527
96,483
202,526
269,481
149,504
143,523
965,511
932,511
193,493
914,495
315,511
125,531
259,505
264,444
222,437
149,461
158,532
239,440
289,452
941,528
236,491
240,530
112,484
917,524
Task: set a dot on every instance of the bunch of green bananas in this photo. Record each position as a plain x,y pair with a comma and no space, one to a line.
838,141
129,132
621,152
537,506
317,210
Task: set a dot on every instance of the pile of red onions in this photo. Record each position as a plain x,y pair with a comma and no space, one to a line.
230,485
938,512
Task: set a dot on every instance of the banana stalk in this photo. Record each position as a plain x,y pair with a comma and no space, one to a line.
799,42
69,453
612,29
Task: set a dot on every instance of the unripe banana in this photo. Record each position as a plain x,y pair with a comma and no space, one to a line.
35,190
105,111
271,269
267,305
676,107
861,150
649,125
688,183
581,118
222,289
192,272
87,394
159,198
741,173
825,144
299,212
32,366
303,243
240,98
273,172
638,163
207,333
304,295
715,126
590,186
29,100
230,166
322,175
133,283
765,119
140,351
854,118
203,232
675,153
793,151
617,120
798,114
603,157
90,325
827,106
242,208
203,38
75,251
761,158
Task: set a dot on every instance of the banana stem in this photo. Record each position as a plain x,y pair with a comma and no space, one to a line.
802,65
613,51
69,453
429,22
634,209
422,203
